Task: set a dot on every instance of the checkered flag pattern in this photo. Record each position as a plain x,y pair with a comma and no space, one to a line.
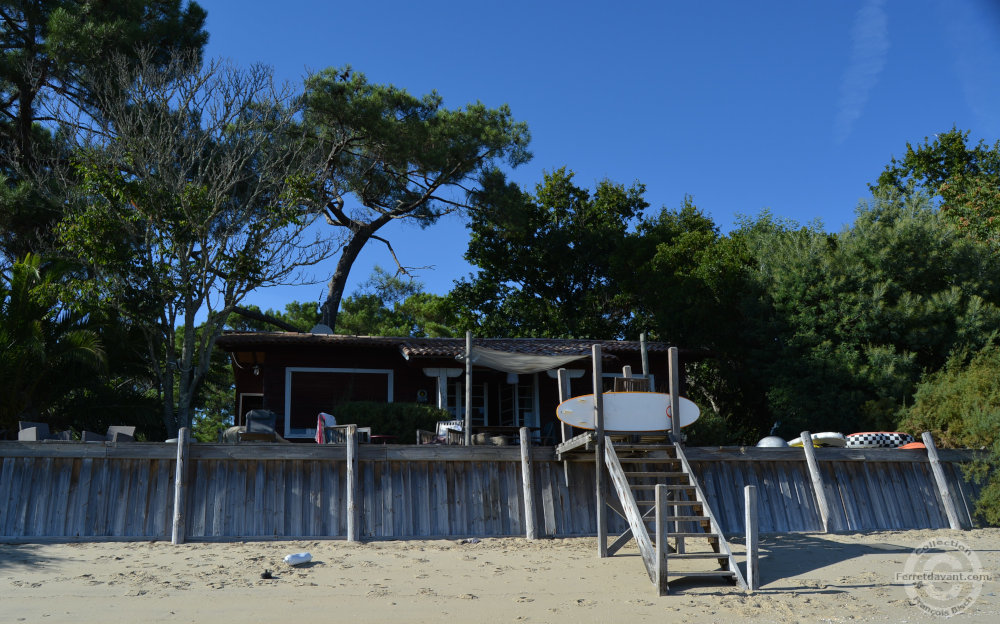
878,440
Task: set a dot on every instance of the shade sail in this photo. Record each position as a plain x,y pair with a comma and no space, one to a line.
509,362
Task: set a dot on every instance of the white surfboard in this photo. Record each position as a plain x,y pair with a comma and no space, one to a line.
627,411
827,438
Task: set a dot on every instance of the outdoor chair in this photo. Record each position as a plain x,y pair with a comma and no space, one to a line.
36,432
116,433
338,434
259,427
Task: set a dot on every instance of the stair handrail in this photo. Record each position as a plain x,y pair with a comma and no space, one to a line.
632,513
724,549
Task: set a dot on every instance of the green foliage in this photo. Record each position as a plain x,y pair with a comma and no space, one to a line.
397,155
188,202
960,405
398,419
545,259
387,305
965,176
47,46
861,314
49,348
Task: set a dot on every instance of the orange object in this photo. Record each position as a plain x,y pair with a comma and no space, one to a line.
913,445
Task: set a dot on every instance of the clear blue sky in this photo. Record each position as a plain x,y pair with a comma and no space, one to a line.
789,106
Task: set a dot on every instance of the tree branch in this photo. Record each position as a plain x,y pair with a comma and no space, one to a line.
267,318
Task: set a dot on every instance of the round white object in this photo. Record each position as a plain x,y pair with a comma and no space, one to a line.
298,558
772,442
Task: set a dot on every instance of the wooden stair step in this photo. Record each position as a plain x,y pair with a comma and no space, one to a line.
685,519
643,447
711,555
648,460
683,503
652,474
650,503
709,536
644,486
668,475
720,573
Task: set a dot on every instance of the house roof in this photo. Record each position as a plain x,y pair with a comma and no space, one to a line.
432,347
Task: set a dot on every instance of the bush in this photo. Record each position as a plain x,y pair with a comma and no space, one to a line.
960,406
397,419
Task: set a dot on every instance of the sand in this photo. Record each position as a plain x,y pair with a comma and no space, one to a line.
806,578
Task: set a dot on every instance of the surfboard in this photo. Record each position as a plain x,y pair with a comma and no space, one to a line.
827,438
627,411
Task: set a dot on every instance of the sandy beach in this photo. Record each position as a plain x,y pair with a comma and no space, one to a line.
805,578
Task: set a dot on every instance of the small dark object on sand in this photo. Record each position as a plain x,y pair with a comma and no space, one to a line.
266,574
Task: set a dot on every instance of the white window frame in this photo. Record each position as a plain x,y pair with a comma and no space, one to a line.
311,433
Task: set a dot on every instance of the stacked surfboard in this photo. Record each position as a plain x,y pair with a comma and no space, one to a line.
627,411
881,439
863,440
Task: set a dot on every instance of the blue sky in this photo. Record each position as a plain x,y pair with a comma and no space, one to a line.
788,106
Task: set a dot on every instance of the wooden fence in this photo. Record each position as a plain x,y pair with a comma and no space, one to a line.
90,491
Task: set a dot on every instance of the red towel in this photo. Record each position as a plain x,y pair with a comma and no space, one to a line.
323,420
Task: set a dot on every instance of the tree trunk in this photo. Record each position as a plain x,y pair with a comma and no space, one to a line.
339,280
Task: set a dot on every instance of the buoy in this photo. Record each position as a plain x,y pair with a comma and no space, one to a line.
772,442
298,558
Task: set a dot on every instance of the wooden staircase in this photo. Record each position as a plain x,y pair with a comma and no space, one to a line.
636,470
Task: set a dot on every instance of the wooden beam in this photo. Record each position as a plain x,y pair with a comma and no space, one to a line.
468,388
601,480
675,397
712,521
942,482
644,352
353,485
632,512
528,482
661,540
819,491
180,487
750,517
567,431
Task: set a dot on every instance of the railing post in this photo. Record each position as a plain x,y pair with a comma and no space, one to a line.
528,481
180,487
817,480
661,539
942,482
468,388
601,494
750,517
353,524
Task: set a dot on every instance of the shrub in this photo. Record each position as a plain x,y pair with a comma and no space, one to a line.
398,419
960,406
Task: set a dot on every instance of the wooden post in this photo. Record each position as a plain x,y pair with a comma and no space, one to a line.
180,487
353,481
675,421
468,388
645,359
661,539
675,397
528,480
602,486
753,556
567,431
942,482
817,480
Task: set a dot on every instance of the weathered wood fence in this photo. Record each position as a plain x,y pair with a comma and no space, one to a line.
87,491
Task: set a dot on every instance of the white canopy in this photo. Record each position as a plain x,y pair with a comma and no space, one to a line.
520,362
